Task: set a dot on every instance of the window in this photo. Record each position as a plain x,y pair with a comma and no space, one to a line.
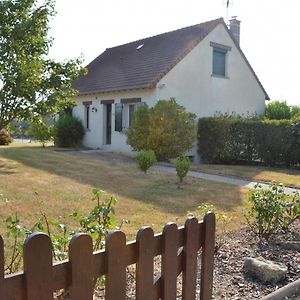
87,105
118,117
219,62
132,108
87,117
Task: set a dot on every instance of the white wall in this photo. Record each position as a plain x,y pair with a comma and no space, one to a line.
191,83
94,138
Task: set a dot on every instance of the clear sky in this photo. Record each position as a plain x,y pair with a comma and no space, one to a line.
270,32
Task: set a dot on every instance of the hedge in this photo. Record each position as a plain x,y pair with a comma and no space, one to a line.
231,141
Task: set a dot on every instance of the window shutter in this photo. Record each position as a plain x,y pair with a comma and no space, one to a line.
118,117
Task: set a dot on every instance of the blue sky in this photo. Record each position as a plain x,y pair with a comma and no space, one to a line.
270,32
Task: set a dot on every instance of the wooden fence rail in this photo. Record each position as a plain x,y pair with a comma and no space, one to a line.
178,248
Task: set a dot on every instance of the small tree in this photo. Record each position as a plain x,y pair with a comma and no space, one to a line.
167,128
146,159
41,132
182,165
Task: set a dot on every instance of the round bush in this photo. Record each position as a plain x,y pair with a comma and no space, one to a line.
5,138
69,132
166,128
146,159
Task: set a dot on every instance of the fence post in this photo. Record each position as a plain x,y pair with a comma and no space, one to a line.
190,263
207,263
169,262
144,265
80,257
115,284
38,267
2,296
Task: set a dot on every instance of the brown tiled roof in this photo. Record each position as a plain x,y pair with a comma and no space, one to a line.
125,67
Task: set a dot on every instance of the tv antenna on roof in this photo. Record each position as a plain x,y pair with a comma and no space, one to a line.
228,3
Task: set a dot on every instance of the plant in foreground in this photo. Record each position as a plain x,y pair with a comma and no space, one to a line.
97,223
272,209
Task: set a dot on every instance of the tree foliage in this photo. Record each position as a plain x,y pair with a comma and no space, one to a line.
167,129
280,110
30,83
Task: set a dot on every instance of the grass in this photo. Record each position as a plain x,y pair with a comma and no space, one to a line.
257,173
34,180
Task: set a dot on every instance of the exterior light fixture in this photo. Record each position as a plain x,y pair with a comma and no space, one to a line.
94,109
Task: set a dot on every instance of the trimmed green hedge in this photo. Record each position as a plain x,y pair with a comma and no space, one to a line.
230,141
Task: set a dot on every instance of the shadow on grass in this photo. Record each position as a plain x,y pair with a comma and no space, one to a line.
156,188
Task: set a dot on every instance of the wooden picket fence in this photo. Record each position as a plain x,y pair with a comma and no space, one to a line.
178,248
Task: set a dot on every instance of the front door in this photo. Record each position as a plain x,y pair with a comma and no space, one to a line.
108,123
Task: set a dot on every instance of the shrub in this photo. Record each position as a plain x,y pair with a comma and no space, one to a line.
231,141
68,132
5,138
146,159
182,165
41,132
272,209
166,128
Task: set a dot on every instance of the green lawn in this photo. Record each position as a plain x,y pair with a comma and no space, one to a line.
34,180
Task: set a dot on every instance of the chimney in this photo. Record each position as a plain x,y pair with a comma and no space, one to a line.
234,28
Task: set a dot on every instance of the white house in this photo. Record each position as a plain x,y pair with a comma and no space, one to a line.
201,66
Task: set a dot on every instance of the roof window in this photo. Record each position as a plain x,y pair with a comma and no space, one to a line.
139,46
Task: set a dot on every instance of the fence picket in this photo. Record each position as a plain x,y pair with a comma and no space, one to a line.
169,262
144,265
80,256
38,267
190,264
207,263
115,284
177,246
